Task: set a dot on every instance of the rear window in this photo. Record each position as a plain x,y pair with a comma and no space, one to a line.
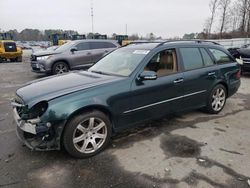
10,47
191,58
220,56
101,45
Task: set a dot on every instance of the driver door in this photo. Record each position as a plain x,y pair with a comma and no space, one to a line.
156,98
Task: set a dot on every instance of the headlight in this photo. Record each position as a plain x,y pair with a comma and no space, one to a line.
43,57
38,109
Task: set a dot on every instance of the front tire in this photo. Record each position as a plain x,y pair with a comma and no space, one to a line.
60,68
87,134
217,99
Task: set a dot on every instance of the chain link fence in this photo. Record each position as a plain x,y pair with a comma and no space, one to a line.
233,43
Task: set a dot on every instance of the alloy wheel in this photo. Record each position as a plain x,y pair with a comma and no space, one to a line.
61,68
218,99
90,135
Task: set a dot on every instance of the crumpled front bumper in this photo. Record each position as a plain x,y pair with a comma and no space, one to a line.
27,126
35,136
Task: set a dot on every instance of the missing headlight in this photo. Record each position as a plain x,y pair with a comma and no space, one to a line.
38,110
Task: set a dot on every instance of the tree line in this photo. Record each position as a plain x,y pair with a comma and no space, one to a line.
38,35
228,19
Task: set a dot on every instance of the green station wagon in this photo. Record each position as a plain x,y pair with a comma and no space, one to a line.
81,110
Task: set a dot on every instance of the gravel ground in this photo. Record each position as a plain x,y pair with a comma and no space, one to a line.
185,150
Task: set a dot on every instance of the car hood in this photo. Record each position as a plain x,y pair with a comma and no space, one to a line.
244,52
44,53
56,86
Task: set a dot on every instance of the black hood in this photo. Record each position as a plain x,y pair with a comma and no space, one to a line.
244,52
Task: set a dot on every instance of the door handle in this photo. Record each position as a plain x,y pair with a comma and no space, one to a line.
179,80
211,74
88,53
106,51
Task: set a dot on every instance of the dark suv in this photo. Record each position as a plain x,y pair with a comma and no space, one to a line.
80,54
133,84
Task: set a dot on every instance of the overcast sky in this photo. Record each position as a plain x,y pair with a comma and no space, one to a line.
166,18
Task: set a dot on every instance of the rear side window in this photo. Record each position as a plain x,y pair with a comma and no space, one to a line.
101,45
206,58
220,56
191,58
82,46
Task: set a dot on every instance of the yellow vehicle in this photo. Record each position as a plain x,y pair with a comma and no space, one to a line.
9,51
126,42
59,39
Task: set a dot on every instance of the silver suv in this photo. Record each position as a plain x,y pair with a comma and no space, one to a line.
79,54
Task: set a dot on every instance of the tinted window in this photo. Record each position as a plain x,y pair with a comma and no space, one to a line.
220,56
163,63
191,58
82,46
206,58
101,45
109,45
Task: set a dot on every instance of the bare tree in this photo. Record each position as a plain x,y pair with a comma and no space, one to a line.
243,10
234,16
213,5
248,16
224,6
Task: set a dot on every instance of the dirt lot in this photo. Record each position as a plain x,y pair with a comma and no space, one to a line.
186,150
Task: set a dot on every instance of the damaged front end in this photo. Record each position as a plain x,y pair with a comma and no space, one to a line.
36,134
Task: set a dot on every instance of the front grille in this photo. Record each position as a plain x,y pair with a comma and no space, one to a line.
33,58
10,47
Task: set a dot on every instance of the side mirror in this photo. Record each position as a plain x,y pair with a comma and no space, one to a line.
147,75
73,49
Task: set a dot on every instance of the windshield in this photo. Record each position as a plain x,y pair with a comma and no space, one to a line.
121,62
64,47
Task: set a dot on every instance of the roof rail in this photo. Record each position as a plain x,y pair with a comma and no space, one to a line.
144,42
194,40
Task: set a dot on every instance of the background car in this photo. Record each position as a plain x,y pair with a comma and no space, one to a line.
79,54
243,54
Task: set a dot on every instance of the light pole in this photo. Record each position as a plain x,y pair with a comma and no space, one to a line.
92,16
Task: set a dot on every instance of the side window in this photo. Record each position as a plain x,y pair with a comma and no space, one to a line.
206,58
97,45
109,45
163,63
191,58
220,56
82,46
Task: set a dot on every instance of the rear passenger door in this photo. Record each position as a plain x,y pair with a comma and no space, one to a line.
99,49
200,74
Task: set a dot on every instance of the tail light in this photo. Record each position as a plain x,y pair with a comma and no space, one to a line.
238,74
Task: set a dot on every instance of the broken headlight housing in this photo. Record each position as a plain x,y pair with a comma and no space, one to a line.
38,110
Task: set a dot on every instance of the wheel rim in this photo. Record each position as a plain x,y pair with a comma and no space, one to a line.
89,135
61,68
219,98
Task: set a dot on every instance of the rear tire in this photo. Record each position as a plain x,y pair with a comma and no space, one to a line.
217,99
60,68
87,134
